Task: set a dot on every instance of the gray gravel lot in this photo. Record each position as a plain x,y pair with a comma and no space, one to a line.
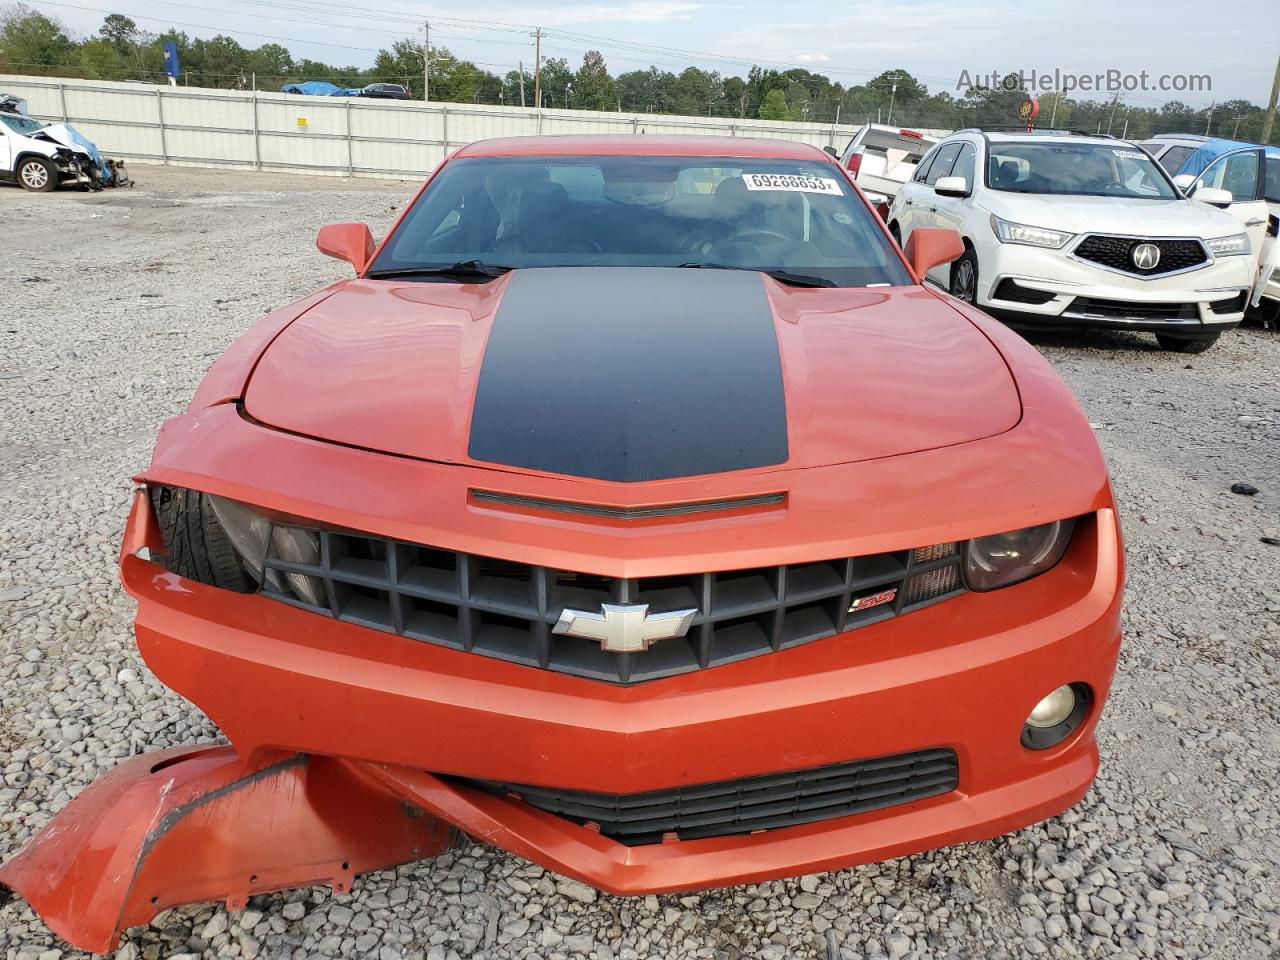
113,305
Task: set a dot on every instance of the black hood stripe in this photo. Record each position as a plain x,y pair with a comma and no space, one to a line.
631,374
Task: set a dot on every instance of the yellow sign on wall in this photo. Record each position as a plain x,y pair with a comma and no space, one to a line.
302,123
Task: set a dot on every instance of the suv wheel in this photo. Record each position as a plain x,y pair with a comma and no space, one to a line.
964,278
37,175
1187,344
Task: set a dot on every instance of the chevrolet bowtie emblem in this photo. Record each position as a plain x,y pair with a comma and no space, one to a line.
624,627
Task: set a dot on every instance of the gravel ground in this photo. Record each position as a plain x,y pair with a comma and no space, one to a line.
115,304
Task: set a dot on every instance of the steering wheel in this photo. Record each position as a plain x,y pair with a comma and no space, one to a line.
578,238
775,235
749,242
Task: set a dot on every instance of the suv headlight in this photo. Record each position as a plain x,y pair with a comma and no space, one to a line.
1003,559
1229,246
1009,232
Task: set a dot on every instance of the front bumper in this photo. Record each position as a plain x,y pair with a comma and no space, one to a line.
1072,283
961,674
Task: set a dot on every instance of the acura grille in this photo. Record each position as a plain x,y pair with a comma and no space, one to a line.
1116,253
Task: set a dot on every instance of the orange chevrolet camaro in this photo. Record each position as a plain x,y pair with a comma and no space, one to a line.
635,508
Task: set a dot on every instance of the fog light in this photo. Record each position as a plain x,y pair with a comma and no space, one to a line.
1057,716
1054,708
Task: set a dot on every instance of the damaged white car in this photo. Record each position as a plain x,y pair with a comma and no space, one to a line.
40,157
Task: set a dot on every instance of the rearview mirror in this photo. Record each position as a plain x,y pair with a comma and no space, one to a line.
347,241
927,247
951,187
1214,197
1184,181
831,150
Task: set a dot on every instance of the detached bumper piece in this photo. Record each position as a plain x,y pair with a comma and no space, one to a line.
186,825
750,804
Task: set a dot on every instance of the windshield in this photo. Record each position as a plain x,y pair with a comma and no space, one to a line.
1078,169
757,214
23,125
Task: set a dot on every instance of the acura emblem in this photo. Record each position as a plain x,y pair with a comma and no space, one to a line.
1145,256
624,627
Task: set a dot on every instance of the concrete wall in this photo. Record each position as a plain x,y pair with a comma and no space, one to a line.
340,136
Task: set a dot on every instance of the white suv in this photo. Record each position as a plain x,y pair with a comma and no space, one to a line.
1068,231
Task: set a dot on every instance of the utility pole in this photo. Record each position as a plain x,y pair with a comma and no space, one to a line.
537,67
426,62
1208,120
893,92
1053,115
1271,105
522,83
1235,130
1112,119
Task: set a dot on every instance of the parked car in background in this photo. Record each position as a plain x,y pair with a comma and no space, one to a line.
1250,172
1069,230
386,91
882,158
40,156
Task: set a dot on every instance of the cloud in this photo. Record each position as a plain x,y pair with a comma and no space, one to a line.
811,57
630,11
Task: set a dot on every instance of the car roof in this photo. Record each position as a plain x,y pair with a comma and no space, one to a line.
642,145
1021,136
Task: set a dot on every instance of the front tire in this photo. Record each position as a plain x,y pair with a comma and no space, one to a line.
896,232
37,175
1187,344
964,277
196,546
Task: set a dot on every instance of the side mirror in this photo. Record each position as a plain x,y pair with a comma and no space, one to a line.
927,247
832,150
1184,181
951,187
1214,197
351,242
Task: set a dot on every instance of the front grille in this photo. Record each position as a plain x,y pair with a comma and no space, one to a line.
1125,310
1116,253
507,610
734,807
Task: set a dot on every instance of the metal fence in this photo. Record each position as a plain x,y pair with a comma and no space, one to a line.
338,136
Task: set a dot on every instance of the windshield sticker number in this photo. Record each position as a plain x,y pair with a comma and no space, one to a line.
792,182
1129,154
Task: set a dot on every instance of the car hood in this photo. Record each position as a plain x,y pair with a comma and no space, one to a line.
633,374
1114,215
60,134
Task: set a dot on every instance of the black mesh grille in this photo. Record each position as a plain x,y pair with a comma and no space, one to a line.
1125,310
507,610
1117,253
753,803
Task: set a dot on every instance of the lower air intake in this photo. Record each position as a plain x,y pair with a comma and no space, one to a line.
734,807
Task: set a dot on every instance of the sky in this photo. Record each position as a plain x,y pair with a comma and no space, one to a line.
937,41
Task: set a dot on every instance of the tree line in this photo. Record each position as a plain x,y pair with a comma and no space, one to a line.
32,43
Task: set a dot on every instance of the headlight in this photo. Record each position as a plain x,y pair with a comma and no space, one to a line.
1007,232
1229,246
1007,558
255,538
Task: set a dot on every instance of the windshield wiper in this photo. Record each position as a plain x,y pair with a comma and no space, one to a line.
462,270
782,276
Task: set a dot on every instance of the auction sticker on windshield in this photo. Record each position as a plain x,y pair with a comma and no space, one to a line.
791,181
